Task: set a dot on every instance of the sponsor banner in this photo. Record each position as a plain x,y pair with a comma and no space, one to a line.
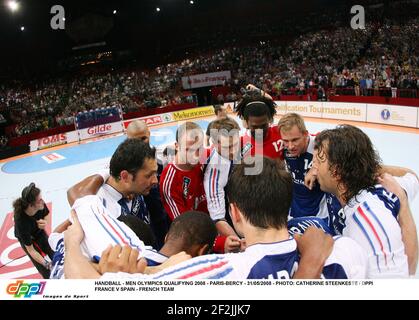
14,263
344,111
193,113
153,120
394,115
54,140
281,107
206,79
305,108
101,130
417,122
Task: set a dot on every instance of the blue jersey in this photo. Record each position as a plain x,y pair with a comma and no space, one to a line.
56,242
305,202
278,260
300,225
336,214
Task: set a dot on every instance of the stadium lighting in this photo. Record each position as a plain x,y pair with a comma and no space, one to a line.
22,28
13,5
158,9
114,12
191,2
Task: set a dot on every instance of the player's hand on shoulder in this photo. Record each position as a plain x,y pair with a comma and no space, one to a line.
120,259
391,185
74,233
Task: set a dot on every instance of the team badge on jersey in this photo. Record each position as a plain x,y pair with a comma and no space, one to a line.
185,187
246,149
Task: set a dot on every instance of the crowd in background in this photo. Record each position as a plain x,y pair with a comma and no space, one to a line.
336,60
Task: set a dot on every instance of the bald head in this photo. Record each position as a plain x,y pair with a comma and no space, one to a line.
138,129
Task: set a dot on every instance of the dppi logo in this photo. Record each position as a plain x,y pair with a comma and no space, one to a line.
27,290
385,114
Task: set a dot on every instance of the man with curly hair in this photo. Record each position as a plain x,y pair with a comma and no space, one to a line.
349,167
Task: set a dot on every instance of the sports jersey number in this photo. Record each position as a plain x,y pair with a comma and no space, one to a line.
390,196
278,145
307,165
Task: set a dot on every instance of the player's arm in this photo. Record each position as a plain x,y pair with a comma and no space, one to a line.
406,221
396,171
262,93
62,226
87,186
216,201
224,228
314,247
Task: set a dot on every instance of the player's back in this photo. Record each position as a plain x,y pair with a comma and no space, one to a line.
278,260
371,220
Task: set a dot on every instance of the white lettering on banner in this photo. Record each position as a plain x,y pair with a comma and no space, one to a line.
101,130
391,114
153,120
205,79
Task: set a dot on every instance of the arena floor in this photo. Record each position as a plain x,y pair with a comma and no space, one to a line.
55,170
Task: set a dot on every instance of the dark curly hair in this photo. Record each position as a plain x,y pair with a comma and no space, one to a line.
255,105
351,157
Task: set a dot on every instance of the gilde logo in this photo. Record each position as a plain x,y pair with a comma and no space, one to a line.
96,130
385,114
27,290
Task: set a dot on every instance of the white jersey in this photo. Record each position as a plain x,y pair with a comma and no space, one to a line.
277,260
102,229
371,220
153,257
215,179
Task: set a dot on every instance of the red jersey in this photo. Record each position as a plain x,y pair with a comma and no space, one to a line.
273,146
182,191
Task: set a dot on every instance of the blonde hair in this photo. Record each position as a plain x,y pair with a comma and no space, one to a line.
290,120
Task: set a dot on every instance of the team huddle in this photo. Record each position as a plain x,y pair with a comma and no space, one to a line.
276,202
